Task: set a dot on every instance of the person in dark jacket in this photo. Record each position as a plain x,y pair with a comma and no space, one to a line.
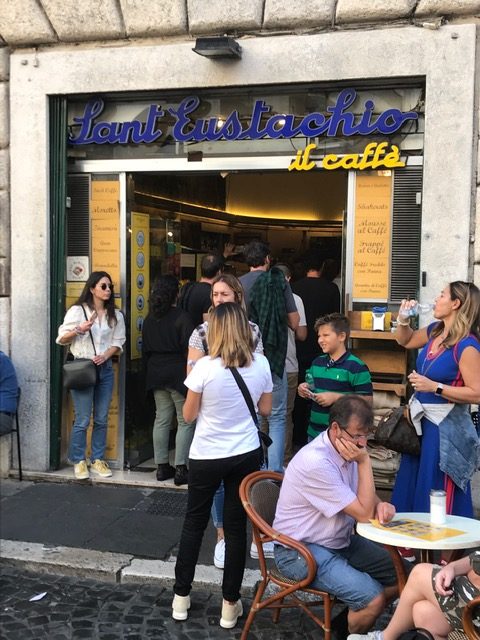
320,297
8,394
165,335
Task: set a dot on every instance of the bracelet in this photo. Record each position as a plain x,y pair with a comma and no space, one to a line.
78,331
191,363
404,324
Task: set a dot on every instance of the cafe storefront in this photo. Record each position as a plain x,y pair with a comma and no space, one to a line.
339,169
147,173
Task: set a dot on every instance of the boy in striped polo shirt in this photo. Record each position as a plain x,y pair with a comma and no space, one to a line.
336,372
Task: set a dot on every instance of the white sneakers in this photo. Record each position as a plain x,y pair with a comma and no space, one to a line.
230,614
180,607
267,550
219,554
371,635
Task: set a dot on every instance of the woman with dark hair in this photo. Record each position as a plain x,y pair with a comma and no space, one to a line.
93,328
165,335
446,381
225,448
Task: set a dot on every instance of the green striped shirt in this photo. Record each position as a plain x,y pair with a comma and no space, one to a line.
348,374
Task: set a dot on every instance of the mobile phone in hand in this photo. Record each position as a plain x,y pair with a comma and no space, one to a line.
394,523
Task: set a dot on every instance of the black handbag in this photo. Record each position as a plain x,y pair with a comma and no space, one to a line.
80,373
396,432
264,438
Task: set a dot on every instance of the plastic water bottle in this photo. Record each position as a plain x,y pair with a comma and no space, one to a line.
420,309
310,381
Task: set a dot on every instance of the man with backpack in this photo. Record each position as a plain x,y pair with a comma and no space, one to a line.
271,306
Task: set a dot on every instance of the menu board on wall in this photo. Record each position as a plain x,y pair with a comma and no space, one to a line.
372,237
140,279
105,221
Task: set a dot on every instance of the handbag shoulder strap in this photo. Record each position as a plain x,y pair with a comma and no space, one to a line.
91,337
245,392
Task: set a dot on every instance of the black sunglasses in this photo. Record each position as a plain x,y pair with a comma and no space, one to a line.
104,286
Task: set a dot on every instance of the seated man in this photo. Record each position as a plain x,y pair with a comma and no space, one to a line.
327,487
433,599
8,394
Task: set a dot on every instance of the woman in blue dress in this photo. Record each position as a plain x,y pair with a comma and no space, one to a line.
446,372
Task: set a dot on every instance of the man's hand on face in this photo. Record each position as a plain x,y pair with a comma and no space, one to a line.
351,451
384,512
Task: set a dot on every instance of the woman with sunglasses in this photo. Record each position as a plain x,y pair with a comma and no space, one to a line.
93,328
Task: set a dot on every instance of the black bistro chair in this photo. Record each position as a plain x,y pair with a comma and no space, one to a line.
16,429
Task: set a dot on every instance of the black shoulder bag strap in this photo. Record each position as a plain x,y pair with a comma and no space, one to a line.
91,337
67,350
264,437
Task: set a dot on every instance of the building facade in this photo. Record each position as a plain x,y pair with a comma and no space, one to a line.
58,57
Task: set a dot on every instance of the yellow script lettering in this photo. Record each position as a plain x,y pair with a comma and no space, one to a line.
374,155
302,160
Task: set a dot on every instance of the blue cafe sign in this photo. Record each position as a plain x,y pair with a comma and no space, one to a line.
337,121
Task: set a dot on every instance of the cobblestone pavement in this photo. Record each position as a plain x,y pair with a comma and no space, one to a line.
76,609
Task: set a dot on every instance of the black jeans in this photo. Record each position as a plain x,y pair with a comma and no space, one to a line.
204,477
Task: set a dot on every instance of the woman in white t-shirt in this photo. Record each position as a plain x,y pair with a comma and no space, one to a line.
225,288
225,447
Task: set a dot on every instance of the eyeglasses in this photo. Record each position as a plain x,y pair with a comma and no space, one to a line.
104,286
357,436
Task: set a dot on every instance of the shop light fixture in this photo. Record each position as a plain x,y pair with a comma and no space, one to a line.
218,47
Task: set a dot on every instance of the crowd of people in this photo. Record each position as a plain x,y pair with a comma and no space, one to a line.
234,357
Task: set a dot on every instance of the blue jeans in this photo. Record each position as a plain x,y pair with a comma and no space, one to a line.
356,574
217,507
276,423
97,399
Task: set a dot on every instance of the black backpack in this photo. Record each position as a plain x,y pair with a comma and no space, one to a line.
416,634
184,295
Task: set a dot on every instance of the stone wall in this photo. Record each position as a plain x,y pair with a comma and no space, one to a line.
4,205
31,22
476,227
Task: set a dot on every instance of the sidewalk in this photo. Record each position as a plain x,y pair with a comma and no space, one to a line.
89,535
114,533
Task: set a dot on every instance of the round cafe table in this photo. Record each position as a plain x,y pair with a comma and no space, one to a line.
391,539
